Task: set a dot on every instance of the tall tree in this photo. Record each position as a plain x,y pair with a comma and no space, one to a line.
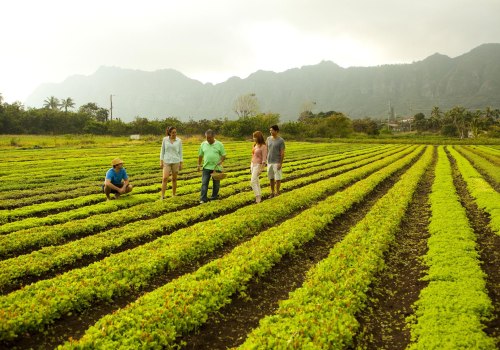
246,105
51,103
436,119
67,103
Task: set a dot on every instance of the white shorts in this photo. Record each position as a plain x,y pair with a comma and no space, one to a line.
273,173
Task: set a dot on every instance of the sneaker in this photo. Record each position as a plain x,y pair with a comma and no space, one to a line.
201,202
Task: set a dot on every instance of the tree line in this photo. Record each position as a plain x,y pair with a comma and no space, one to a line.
56,117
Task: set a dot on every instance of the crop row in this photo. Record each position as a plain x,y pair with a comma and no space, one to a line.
49,258
489,153
185,303
40,236
321,313
40,303
142,169
110,206
483,164
451,307
140,165
485,196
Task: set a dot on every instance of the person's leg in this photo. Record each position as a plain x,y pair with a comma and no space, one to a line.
164,180
278,176
205,178
129,188
174,184
107,192
270,175
175,171
215,189
254,182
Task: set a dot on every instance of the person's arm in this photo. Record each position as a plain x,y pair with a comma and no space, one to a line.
223,154
124,187
200,158
222,158
110,185
180,155
264,157
162,153
282,157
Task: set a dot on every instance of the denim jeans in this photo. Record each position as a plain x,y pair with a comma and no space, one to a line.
205,180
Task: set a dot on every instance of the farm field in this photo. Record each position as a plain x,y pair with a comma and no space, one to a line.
368,246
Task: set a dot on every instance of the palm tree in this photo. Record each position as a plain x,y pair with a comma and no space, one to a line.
67,103
51,103
436,118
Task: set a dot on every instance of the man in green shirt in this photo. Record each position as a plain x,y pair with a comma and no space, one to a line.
212,154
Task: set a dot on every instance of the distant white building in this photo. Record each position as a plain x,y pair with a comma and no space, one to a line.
135,137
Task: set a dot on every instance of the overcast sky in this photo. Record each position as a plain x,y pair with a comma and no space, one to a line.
212,40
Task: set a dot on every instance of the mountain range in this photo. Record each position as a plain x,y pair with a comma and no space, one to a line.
471,80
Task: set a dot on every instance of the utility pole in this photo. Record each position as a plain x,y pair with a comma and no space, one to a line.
111,106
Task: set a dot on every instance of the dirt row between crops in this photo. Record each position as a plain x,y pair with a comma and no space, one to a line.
397,287
488,245
75,325
230,326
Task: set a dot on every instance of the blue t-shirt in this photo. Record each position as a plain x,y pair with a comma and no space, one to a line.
116,177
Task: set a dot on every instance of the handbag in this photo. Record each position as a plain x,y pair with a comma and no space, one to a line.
220,174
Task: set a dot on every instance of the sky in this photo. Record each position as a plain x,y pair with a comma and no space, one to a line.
211,41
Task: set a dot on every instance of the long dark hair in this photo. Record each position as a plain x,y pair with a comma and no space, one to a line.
259,138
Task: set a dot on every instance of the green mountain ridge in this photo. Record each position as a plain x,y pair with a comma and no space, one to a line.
471,80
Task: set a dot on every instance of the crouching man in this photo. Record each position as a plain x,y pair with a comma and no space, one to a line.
116,180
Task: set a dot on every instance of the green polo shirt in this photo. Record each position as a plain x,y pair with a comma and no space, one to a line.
211,154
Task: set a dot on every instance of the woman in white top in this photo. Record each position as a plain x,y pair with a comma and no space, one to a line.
170,159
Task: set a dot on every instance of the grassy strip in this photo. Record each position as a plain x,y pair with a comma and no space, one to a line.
40,303
154,321
490,169
450,309
486,197
321,313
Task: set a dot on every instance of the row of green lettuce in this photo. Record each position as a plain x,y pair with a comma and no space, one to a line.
53,257
158,318
81,168
37,305
321,314
151,176
72,203
146,193
451,309
485,196
482,163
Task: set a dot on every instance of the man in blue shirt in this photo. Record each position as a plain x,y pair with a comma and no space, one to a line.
116,180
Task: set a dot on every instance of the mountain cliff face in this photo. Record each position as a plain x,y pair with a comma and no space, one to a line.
471,80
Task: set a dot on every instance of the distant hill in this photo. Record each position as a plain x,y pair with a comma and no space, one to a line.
471,80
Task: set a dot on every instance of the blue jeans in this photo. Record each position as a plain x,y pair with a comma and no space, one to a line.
205,180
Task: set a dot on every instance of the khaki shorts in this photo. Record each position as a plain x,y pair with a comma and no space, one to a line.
273,173
171,167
